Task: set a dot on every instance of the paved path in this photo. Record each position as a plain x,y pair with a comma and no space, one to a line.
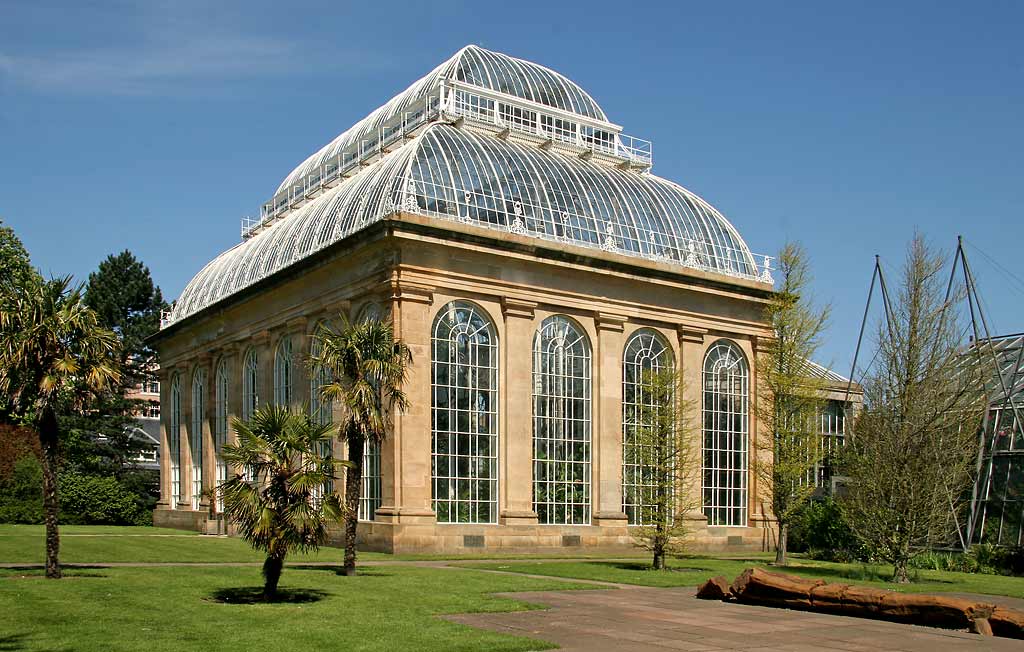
656,620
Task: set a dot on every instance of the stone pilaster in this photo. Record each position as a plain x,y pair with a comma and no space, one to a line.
232,355
405,457
760,511
184,445
204,362
265,361
691,366
164,376
298,328
516,440
606,461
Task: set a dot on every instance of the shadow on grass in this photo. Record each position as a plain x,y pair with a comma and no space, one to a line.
254,595
646,566
31,571
338,570
12,642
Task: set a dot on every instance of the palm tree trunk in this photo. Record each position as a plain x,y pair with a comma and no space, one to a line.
353,484
48,438
272,575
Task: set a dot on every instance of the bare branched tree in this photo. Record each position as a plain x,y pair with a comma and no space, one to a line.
913,447
792,397
659,447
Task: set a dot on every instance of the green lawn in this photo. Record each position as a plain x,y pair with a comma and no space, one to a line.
691,571
173,608
24,544
384,608
87,544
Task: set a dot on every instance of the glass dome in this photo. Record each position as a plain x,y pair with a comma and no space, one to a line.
471,65
459,175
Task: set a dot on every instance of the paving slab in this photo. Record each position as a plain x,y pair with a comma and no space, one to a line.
656,620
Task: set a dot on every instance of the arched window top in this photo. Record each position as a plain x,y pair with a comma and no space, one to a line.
251,359
221,371
319,377
283,358
198,377
372,311
647,349
250,384
725,357
559,333
462,319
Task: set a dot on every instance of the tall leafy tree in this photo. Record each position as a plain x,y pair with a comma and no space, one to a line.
53,355
659,445
122,293
792,397
910,455
15,271
278,507
368,367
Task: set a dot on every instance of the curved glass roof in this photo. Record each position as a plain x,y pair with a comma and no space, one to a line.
471,65
466,176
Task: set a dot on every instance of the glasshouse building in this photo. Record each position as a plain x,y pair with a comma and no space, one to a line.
997,508
524,250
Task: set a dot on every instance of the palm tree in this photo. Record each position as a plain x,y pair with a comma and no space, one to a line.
280,509
53,356
367,366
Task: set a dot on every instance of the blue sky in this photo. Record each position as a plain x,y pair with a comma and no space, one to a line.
156,126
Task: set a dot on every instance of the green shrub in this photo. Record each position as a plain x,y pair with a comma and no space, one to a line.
94,500
21,494
821,531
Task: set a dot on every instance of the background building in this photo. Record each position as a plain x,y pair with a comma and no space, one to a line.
534,264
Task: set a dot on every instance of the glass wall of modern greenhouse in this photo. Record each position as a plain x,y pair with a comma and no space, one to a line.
997,511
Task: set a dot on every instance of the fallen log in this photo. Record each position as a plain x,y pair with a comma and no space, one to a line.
716,588
1007,623
758,586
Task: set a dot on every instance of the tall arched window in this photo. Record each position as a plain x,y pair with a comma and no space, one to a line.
220,426
250,384
174,440
561,422
283,372
726,434
195,442
646,352
320,409
464,464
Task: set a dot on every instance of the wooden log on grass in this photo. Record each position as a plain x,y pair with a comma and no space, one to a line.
757,586
716,588
1007,623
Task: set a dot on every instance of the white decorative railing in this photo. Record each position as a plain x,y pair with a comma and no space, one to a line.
507,112
524,216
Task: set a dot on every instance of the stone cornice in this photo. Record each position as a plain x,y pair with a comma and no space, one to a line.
691,334
520,308
411,292
606,321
